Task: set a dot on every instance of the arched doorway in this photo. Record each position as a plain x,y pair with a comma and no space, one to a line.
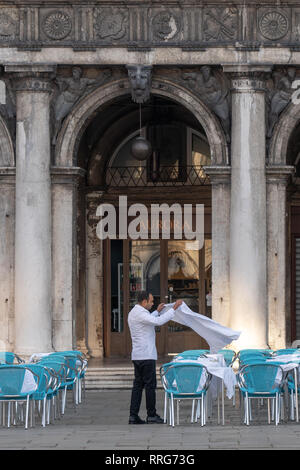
97,137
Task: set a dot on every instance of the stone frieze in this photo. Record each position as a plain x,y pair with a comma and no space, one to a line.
150,25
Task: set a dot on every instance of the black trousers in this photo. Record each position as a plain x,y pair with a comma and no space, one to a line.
144,377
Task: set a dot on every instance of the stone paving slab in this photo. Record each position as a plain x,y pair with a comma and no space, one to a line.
101,422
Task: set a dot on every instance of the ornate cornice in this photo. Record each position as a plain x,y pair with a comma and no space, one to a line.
185,24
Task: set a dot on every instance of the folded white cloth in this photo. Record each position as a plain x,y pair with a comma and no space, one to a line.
216,335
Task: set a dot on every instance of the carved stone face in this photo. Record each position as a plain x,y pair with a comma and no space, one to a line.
291,73
140,81
77,73
205,72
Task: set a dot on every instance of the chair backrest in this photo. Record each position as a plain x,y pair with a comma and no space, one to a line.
185,378
13,383
44,378
260,378
194,352
229,355
280,352
9,358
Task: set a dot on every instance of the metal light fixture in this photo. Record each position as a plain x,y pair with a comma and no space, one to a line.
141,148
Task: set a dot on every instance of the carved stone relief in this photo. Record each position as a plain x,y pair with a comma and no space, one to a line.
140,25
111,23
273,25
57,25
140,82
279,94
69,90
213,89
220,24
9,24
165,25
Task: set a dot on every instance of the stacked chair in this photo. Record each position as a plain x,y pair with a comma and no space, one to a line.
265,380
42,384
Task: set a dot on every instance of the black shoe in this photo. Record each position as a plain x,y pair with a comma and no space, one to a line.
154,420
136,420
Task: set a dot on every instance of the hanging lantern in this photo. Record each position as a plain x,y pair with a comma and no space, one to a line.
141,148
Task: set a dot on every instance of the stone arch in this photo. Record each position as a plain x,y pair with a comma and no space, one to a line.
281,135
84,111
7,154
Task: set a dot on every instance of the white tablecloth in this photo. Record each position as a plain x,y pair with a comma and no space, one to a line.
215,334
216,366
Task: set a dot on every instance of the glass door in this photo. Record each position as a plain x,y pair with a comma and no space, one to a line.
189,280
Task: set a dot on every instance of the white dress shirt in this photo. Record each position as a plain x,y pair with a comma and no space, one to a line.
142,325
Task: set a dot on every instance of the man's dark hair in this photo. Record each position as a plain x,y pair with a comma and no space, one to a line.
143,295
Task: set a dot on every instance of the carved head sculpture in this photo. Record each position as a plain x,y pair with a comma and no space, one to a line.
76,73
206,72
291,71
140,82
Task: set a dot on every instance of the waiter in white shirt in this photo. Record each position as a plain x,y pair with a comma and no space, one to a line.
144,355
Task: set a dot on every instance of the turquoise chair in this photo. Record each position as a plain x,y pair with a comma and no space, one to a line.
229,356
43,391
9,358
12,390
263,381
182,381
281,352
73,371
81,357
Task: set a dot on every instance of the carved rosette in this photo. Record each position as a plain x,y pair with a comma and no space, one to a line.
111,24
57,25
273,25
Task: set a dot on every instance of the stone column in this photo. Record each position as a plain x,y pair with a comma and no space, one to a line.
33,306
7,246
248,250
94,278
277,177
64,255
220,182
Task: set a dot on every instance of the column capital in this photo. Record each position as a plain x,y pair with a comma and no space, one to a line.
93,199
246,78
32,78
218,174
67,175
279,174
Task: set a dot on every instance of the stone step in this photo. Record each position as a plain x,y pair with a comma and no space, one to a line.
112,378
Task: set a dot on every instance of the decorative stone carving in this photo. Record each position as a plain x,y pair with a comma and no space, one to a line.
70,91
220,24
214,92
165,25
8,110
273,25
111,23
140,82
8,27
57,25
279,97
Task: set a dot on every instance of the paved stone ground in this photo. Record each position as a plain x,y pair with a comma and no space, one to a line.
100,422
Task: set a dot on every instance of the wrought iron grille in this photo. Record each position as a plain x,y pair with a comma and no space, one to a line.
133,176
